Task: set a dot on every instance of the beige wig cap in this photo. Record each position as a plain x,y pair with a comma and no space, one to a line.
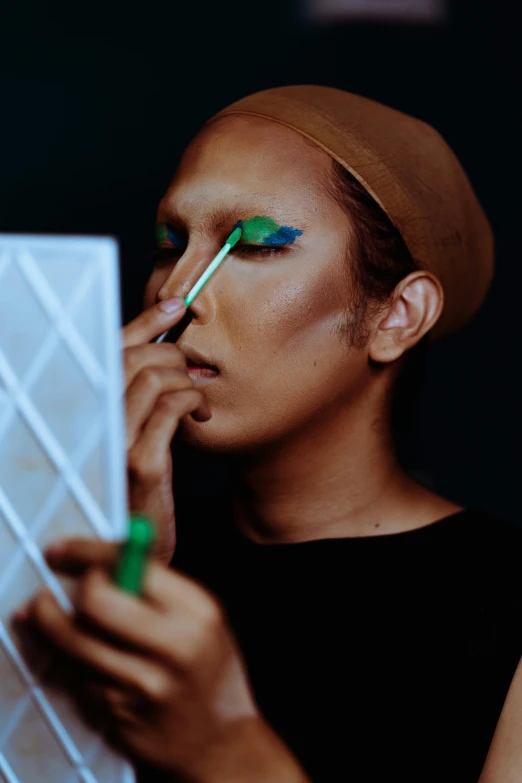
412,174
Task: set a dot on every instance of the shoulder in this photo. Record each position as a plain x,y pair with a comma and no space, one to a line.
487,540
479,554
491,534
482,529
490,549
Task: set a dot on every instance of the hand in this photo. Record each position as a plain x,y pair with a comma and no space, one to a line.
158,394
174,690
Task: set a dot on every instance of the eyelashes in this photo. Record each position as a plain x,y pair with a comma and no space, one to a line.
168,255
259,250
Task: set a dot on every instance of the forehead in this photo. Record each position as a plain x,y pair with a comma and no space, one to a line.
258,145
236,159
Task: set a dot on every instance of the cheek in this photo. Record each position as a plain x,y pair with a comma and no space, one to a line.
288,315
284,363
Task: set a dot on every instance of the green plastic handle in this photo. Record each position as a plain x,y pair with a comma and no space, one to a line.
131,564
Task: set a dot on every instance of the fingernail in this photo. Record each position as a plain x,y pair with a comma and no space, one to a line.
55,550
171,305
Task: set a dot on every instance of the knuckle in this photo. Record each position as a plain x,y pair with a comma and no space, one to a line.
212,617
168,404
150,377
156,686
202,634
184,654
142,470
174,402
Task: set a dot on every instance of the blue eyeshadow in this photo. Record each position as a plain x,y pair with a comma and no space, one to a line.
175,238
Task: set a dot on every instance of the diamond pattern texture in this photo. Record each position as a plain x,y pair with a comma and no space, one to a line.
62,473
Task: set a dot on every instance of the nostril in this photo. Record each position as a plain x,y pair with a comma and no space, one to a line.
175,333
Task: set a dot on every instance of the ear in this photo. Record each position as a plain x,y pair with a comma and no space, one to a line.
415,307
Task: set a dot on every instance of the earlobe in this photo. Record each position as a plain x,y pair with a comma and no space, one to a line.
414,308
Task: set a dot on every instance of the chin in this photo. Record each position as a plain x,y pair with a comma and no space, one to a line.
217,438
207,436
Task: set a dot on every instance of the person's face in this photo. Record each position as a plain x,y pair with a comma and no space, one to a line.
269,318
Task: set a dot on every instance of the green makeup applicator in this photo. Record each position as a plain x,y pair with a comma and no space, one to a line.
233,239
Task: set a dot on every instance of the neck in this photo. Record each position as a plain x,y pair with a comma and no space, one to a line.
339,479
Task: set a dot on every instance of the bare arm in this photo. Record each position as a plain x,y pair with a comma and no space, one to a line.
504,761
253,753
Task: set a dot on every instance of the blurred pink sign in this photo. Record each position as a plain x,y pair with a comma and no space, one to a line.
384,10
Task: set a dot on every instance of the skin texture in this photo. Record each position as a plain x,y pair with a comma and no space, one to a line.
304,417
291,398
275,312
504,761
158,393
162,671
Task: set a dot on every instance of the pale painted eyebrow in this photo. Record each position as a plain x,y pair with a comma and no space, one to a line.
221,218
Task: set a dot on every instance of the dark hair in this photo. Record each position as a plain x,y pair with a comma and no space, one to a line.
381,259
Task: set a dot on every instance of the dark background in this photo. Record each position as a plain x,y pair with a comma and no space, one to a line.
99,99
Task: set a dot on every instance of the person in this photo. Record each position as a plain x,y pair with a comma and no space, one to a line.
327,616
504,760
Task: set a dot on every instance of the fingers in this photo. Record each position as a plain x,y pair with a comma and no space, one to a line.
153,321
173,618
162,629
139,357
146,457
75,555
166,588
101,700
131,619
123,667
171,590
143,393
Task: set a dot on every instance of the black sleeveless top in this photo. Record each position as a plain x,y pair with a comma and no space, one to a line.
374,658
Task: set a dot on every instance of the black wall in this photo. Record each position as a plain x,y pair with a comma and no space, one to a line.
98,100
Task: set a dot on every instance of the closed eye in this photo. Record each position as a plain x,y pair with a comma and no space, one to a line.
166,255
163,256
259,250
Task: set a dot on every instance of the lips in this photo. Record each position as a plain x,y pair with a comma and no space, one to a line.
202,369
196,361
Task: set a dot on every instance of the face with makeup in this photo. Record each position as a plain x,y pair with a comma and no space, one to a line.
269,320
